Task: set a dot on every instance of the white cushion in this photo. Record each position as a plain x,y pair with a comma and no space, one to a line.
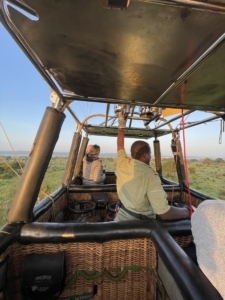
208,229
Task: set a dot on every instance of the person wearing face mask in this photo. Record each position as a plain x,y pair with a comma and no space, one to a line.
93,173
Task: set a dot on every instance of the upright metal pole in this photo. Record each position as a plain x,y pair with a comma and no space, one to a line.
158,160
179,161
78,168
26,195
71,162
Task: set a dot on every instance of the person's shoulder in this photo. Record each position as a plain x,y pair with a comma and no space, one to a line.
154,172
96,160
151,171
152,176
121,151
122,156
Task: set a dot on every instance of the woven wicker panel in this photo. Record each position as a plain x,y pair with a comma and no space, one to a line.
113,196
184,241
171,195
60,205
112,257
194,200
110,179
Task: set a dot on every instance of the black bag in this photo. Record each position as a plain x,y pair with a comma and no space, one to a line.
43,276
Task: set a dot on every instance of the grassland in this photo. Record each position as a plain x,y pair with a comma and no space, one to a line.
207,176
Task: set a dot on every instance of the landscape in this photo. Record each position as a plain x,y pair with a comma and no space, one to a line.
206,175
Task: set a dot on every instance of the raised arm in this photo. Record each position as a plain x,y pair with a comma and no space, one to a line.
122,125
120,139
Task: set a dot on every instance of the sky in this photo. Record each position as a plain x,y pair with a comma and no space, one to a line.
24,96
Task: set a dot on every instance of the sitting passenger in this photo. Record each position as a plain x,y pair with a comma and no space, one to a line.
208,223
93,173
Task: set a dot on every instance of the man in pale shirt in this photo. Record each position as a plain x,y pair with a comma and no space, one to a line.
139,189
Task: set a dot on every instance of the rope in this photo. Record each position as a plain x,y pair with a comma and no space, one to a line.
186,165
5,161
53,204
81,125
91,275
17,159
174,138
169,125
48,196
174,169
11,147
175,152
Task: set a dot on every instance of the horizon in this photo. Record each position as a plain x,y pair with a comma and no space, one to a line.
22,153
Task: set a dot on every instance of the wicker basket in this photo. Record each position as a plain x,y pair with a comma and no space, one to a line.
121,269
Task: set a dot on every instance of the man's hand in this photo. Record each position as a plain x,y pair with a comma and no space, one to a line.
122,119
